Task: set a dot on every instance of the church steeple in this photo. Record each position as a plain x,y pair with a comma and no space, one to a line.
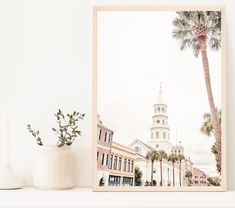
160,132
160,95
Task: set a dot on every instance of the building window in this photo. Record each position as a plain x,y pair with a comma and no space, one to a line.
107,160
179,151
103,156
124,166
132,166
129,166
111,162
158,109
157,134
105,137
100,134
196,182
163,110
120,163
164,135
114,180
109,138
158,121
115,163
157,146
175,151
163,121
97,155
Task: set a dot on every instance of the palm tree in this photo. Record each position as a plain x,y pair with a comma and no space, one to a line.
189,175
152,156
162,155
207,129
173,158
180,157
215,152
196,30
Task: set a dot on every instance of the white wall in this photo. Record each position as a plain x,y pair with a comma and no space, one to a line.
46,64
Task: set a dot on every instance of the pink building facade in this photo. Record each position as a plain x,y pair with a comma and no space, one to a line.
104,144
199,177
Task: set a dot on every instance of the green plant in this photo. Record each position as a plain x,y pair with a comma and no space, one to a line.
207,129
214,181
189,176
138,176
67,130
35,135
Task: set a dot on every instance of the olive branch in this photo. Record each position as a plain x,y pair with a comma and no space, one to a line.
67,130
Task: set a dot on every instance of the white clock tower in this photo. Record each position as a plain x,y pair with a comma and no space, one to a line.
160,132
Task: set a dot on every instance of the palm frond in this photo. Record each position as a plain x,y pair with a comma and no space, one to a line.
162,154
180,157
152,155
196,47
214,149
207,127
187,23
207,116
214,43
180,23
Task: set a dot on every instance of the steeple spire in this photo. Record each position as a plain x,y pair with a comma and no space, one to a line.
160,131
160,95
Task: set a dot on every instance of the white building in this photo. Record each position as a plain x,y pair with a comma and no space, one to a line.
177,149
160,131
160,140
141,150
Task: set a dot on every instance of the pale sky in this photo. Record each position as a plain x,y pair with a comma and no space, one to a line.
136,52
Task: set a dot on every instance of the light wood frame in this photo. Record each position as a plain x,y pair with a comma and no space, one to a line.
97,9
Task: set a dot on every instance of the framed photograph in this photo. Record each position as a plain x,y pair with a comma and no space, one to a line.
159,98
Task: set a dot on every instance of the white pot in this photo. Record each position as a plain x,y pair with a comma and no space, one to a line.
54,168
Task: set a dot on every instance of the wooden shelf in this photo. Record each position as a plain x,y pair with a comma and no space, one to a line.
85,197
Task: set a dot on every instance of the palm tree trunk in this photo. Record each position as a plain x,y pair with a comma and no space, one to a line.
173,164
161,171
180,173
214,119
152,173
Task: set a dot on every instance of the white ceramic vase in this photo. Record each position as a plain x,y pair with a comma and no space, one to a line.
54,168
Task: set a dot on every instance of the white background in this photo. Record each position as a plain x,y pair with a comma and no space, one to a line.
46,64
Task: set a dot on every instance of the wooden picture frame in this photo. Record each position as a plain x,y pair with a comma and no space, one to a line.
98,184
